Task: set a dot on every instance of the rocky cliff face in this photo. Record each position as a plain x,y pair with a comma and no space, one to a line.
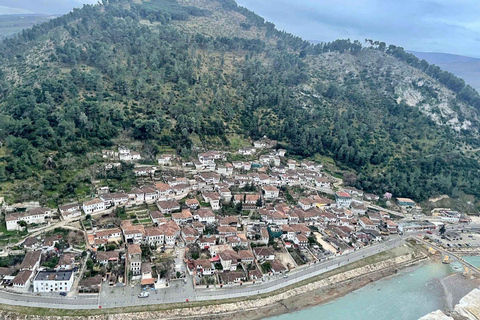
469,306
383,73
436,315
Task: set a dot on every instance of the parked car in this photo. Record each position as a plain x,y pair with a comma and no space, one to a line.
144,294
63,294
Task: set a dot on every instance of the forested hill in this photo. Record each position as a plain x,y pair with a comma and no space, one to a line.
201,74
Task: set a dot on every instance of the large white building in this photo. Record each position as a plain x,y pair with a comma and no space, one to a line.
53,281
94,205
35,215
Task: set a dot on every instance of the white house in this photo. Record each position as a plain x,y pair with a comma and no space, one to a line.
53,281
270,192
70,211
114,199
247,151
134,233
154,236
343,199
213,198
165,159
22,279
35,215
126,154
135,258
92,206
205,215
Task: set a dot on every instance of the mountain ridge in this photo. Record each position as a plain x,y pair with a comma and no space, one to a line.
467,68
197,74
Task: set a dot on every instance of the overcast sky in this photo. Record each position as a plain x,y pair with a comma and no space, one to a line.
40,6
450,26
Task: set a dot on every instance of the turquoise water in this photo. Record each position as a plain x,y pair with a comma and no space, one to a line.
408,295
473,260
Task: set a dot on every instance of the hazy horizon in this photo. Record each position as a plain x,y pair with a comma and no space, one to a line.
437,26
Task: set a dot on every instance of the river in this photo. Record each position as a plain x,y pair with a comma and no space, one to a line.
409,295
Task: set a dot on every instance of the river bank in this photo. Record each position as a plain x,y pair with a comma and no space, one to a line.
320,289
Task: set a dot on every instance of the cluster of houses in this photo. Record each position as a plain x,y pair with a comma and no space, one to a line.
238,246
30,273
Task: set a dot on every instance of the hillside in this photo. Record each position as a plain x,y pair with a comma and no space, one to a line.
464,67
201,74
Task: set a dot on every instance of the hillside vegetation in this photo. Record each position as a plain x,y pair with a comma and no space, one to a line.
198,74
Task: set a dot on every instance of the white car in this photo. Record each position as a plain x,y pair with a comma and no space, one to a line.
144,294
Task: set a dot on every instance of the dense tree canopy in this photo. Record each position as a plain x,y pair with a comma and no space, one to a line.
123,68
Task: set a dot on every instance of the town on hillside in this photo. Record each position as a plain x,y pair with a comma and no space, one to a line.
219,220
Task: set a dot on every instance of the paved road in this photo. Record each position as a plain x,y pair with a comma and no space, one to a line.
450,254
180,290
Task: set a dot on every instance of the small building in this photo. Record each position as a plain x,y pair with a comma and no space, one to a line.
183,217
168,206
134,234
232,277
229,260
165,159
154,236
92,206
70,211
114,199
106,257
203,267
263,253
22,279
205,216
415,226
213,198
343,199
31,261
193,204
270,192
66,262
157,217
366,223
34,215
405,202
135,259
91,284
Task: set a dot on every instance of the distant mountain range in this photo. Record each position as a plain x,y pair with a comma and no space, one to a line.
467,68
11,24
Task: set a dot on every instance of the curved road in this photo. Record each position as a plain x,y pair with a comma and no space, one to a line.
180,291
